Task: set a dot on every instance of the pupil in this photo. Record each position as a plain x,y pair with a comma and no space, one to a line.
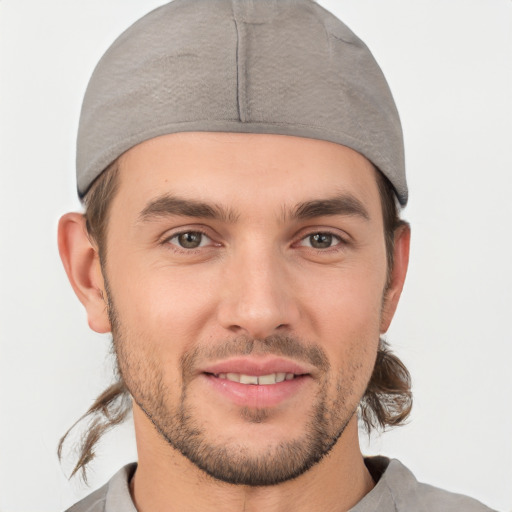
321,240
190,240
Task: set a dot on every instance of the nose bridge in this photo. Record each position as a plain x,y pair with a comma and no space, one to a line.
258,296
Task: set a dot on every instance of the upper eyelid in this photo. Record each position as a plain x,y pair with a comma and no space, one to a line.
188,231
177,248
307,232
182,232
172,233
340,240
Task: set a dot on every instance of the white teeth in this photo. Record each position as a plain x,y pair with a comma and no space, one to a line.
262,380
267,379
248,379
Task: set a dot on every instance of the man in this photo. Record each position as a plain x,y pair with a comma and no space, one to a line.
241,164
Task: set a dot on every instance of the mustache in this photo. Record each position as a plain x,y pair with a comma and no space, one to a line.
280,345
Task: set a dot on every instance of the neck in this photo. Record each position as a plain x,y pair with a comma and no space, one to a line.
167,481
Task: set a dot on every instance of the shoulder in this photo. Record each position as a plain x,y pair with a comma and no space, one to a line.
114,496
398,487
95,502
437,499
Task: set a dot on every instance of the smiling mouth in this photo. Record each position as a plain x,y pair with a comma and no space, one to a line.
261,380
257,387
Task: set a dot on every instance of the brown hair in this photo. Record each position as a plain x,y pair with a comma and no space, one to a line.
387,401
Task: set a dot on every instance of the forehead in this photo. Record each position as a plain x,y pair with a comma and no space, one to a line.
244,169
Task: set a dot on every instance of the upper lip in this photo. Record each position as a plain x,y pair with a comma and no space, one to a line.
258,366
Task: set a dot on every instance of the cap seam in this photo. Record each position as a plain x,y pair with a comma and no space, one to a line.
241,93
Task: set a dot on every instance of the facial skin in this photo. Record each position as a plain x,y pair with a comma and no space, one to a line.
245,254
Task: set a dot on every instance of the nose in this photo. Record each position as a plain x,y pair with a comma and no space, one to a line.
258,297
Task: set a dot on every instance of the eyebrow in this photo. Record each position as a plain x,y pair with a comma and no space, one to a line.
344,204
169,205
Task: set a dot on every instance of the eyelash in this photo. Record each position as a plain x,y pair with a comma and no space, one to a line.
341,241
335,238
176,247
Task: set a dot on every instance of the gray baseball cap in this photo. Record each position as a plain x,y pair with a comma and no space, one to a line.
248,66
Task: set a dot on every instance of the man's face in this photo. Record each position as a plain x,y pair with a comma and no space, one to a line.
246,275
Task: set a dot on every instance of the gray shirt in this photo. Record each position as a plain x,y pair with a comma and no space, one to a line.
396,491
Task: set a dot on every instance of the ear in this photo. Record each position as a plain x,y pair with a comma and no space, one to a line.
82,264
397,278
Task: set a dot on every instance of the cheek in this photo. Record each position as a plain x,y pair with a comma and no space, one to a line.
345,316
351,341
163,305
348,302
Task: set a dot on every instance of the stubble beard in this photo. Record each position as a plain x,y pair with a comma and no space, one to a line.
234,463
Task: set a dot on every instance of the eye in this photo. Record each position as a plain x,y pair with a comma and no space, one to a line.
320,241
190,240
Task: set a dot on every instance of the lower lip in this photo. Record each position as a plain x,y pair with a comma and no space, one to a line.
257,396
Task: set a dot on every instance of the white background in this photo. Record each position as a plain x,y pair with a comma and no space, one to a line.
449,64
